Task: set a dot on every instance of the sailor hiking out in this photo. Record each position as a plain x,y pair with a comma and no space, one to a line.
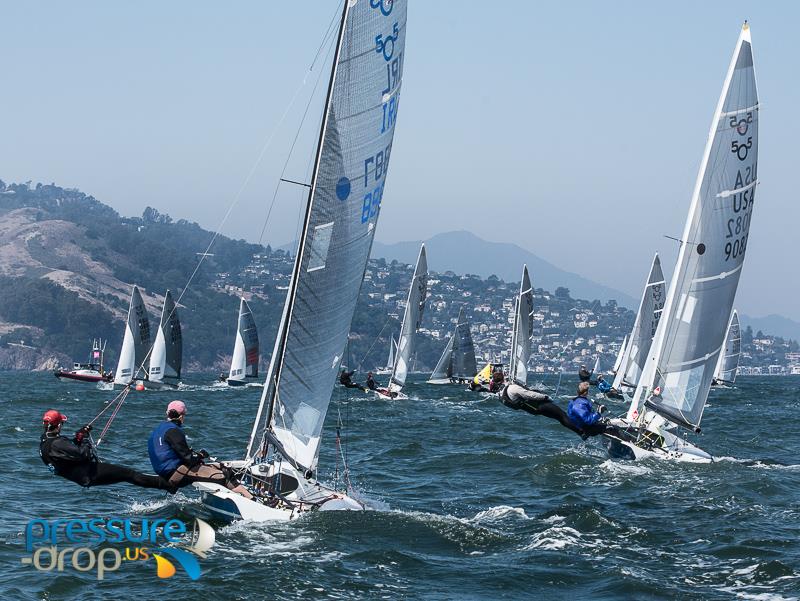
518,397
582,413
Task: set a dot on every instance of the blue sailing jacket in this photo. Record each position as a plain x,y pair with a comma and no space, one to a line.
581,412
603,386
163,458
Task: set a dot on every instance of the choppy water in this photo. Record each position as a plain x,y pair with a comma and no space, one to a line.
474,501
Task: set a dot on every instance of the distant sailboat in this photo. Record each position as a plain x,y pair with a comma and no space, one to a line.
412,316
91,371
677,377
385,371
457,363
136,342
644,328
728,364
244,363
167,355
620,355
342,209
522,331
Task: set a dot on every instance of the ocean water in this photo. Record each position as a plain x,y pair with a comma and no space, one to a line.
472,501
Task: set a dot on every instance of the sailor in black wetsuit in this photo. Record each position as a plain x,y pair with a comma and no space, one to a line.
535,403
174,460
75,459
371,383
346,379
584,375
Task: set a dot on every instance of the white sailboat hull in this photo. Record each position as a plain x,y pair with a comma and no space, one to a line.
441,381
642,443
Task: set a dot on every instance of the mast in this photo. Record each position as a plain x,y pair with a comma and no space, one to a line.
276,361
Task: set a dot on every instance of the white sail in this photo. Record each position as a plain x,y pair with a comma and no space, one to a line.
620,354
728,362
135,343
412,317
644,328
166,357
346,191
444,368
392,347
596,367
690,336
244,363
522,330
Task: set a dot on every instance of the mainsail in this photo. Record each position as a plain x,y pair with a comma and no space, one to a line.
444,368
728,362
136,341
167,355
412,317
522,331
464,365
342,210
644,328
691,335
244,363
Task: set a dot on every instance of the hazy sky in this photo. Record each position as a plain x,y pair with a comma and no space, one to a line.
573,129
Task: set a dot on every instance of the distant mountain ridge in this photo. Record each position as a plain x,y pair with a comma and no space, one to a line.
464,252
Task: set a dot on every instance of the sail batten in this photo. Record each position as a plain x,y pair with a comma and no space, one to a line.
684,355
347,189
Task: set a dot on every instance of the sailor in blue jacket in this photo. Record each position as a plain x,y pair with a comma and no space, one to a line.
602,384
581,412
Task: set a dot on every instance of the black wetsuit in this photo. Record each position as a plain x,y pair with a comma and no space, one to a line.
371,384
78,462
584,375
346,379
535,403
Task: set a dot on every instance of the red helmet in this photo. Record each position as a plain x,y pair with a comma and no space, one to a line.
53,418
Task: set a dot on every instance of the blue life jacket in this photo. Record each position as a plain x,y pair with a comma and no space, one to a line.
603,385
581,412
163,458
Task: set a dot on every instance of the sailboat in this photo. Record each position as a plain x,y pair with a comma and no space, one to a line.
728,364
136,342
167,355
412,317
91,371
457,363
385,371
244,363
620,355
342,209
522,331
644,328
674,386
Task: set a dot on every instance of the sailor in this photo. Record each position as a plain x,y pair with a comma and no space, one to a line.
346,379
371,384
584,375
582,413
517,396
75,458
602,384
496,383
173,459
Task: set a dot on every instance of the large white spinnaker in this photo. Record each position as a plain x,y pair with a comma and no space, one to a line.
244,363
136,342
412,317
345,196
167,355
728,363
644,328
691,335
522,331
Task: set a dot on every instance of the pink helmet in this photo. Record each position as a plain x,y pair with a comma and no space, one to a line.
177,406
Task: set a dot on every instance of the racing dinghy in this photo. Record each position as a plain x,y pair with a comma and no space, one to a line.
342,209
412,317
728,364
457,363
387,369
167,354
244,363
88,372
680,366
136,342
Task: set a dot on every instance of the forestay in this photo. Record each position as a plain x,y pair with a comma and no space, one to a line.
136,342
644,328
244,363
728,362
344,203
412,317
522,331
691,334
167,355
